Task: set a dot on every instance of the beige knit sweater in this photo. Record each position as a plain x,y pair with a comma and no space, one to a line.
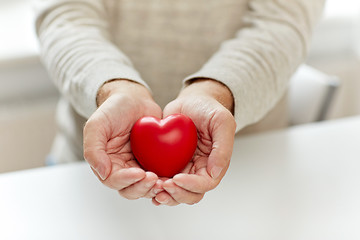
252,46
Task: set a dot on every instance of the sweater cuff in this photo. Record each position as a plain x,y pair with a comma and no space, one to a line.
84,96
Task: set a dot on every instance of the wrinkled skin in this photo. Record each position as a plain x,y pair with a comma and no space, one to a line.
216,128
107,143
107,140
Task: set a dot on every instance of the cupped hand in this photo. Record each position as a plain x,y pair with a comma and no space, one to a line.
107,139
207,104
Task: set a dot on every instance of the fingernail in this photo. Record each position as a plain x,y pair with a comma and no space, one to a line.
101,172
215,172
165,201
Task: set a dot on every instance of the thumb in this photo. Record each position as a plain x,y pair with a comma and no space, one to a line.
95,150
223,134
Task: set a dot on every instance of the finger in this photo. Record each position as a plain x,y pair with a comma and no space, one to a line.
157,188
223,133
189,168
94,149
124,177
140,188
156,203
171,108
196,183
165,199
181,195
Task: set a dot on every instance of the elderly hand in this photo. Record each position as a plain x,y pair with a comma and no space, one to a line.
209,104
107,138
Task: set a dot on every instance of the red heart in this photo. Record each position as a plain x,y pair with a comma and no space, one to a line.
164,146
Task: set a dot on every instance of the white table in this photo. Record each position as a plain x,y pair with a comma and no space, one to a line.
301,183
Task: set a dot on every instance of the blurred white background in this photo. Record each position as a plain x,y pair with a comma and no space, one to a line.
335,50
28,97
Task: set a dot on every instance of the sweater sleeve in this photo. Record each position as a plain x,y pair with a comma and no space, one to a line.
258,62
77,50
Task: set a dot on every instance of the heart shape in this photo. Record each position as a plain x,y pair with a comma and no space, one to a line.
164,146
